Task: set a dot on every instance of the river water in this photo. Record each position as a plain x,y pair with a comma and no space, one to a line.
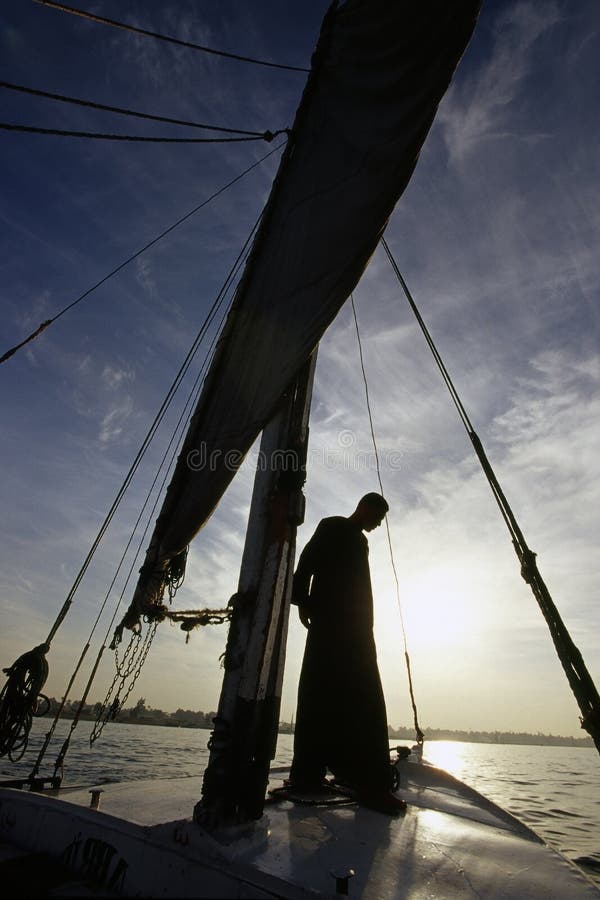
555,790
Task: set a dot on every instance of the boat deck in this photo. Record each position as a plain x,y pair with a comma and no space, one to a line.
451,843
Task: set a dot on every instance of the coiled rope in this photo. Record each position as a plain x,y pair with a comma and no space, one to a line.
21,699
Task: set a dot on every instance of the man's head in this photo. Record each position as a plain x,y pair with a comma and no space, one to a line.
370,511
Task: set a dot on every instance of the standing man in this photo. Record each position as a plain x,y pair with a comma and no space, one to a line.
341,721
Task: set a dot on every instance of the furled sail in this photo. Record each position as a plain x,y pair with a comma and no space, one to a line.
379,72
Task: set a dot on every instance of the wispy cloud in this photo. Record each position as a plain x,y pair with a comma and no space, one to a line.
114,377
114,421
143,273
480,111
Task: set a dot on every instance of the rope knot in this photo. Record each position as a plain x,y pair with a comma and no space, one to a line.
528,566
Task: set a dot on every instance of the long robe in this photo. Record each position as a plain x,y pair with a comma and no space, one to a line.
341,721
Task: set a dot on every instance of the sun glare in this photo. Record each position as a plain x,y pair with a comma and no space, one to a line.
448,755
437,606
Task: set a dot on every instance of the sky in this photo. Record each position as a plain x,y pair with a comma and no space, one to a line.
497,237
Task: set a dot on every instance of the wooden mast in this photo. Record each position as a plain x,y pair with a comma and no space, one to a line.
244,739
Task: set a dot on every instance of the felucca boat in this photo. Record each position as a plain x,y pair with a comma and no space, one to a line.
379,72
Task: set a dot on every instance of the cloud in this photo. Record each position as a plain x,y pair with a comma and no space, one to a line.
113,423
481,109
143,274
114,377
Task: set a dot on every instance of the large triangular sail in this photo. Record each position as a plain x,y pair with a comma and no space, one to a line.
379,72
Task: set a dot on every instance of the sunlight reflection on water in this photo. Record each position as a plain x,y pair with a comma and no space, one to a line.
448,755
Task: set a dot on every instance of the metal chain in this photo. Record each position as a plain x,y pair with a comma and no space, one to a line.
129,668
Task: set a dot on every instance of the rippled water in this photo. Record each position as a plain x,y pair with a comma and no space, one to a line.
555,790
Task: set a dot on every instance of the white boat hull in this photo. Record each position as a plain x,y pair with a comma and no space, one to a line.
451,843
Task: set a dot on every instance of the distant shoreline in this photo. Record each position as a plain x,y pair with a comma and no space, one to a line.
493,737
142,715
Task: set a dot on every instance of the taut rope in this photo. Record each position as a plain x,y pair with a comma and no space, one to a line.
579,678
418,732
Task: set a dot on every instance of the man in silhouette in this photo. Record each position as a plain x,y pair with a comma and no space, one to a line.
341,721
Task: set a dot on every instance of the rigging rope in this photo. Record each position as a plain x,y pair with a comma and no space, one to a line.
171,40
579,679
418,732
188,619
193,395
130,112
11,703
135,255
136,138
